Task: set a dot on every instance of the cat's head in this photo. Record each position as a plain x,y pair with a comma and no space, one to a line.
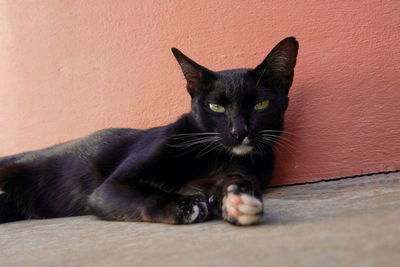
242,109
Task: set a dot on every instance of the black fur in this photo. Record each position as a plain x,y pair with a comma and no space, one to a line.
159,174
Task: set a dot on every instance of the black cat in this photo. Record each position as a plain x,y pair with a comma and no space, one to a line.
213,162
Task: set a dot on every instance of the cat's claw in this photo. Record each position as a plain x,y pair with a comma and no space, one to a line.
241,208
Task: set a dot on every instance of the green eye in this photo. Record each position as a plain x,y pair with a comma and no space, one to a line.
262,105
216,108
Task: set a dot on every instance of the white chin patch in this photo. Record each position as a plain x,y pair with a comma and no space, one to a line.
242,149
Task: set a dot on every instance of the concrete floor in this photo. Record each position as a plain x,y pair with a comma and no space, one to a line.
350,222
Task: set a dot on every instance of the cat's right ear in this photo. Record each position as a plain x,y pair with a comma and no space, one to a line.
194,73
280,63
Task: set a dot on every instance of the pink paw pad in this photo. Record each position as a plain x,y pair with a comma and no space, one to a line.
234,201
245,208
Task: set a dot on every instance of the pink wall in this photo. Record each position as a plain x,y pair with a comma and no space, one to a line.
68,68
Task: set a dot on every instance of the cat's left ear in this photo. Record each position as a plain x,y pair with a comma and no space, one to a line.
280,62
194,73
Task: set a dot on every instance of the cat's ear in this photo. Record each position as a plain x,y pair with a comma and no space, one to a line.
194,73
280,63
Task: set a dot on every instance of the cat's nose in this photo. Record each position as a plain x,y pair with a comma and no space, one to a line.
239,135
239,129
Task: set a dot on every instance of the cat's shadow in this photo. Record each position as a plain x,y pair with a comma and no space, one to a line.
290,162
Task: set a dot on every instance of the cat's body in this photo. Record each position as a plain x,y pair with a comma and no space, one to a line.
212,162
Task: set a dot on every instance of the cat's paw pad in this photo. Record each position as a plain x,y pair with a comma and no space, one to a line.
240,208
193,209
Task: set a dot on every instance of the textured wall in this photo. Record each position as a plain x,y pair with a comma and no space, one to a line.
68,68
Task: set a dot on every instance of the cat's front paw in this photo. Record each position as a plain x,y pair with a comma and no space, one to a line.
193,209
241,208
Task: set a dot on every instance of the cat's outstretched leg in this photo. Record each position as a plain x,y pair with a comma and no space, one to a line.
240,201
140,202
240,206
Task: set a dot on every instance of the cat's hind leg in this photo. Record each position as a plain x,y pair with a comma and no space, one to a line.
139,202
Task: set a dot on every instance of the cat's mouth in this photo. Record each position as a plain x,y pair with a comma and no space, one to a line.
243,148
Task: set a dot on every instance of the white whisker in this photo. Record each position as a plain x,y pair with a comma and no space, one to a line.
277,131
273,141
204,143
209,150
281,139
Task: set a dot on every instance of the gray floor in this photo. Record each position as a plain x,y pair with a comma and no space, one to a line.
351,222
